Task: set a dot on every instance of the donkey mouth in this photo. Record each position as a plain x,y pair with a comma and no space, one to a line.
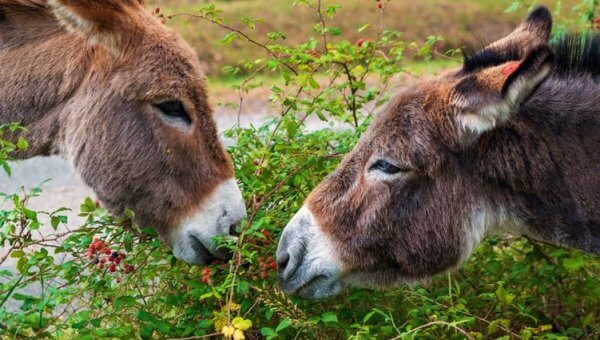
206,255
317,287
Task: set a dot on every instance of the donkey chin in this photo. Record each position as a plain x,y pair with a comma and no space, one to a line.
194,240
307,264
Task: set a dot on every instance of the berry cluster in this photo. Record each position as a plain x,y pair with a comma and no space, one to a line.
206,275
266,266
100,254
267,235
314,53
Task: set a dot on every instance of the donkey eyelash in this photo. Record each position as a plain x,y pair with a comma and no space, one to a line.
174,109
387,167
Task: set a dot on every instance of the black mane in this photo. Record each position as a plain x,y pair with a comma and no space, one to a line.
575,53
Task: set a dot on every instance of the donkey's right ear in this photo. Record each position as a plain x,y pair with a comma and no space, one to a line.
111,23
532,32
486,99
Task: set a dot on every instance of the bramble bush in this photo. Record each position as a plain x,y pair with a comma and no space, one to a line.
111,278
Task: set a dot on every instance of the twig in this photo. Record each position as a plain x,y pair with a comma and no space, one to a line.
429,324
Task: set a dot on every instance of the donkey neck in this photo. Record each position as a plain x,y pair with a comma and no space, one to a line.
41,67
546,163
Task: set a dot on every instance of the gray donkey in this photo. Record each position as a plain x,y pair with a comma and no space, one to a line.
509,142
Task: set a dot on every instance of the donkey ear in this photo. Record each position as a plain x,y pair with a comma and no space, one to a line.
532,32
485,99
107,22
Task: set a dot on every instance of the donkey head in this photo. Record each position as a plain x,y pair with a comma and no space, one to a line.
139,129
402,206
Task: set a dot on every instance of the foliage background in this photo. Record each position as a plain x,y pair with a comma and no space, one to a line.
340,71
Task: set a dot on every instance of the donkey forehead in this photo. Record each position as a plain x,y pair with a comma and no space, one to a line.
162,66
413,117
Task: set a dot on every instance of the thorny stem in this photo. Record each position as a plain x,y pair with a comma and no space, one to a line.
239,32
323,26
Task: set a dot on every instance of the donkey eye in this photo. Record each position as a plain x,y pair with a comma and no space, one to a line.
385,167
174,109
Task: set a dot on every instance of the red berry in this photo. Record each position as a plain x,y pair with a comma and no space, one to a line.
205,279
100,265
103,261
157,10
122,255
380,5
360,42
107,252
119,279
117,260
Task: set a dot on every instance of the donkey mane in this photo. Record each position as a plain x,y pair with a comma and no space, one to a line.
577,53
574,54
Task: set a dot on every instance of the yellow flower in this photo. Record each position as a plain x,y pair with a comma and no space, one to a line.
238,335
241,324
229,331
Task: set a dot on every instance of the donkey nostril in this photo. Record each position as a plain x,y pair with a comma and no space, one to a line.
282,262
233,230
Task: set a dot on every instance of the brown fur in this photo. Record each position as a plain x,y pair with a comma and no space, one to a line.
481,149
84,86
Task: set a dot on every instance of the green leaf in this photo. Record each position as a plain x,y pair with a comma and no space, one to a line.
574,264
329,317
124,301
285,323
54,222
22,144
268,332
17,254
228,38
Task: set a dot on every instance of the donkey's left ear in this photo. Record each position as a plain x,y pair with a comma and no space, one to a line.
111,23
485,99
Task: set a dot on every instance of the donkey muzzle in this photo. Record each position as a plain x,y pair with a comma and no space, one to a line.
194,240
306,261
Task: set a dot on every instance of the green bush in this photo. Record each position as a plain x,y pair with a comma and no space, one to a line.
511,287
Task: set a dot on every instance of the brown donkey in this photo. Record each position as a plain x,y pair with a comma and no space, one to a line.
123,99
510,142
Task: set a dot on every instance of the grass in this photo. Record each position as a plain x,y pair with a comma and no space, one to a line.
455,21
